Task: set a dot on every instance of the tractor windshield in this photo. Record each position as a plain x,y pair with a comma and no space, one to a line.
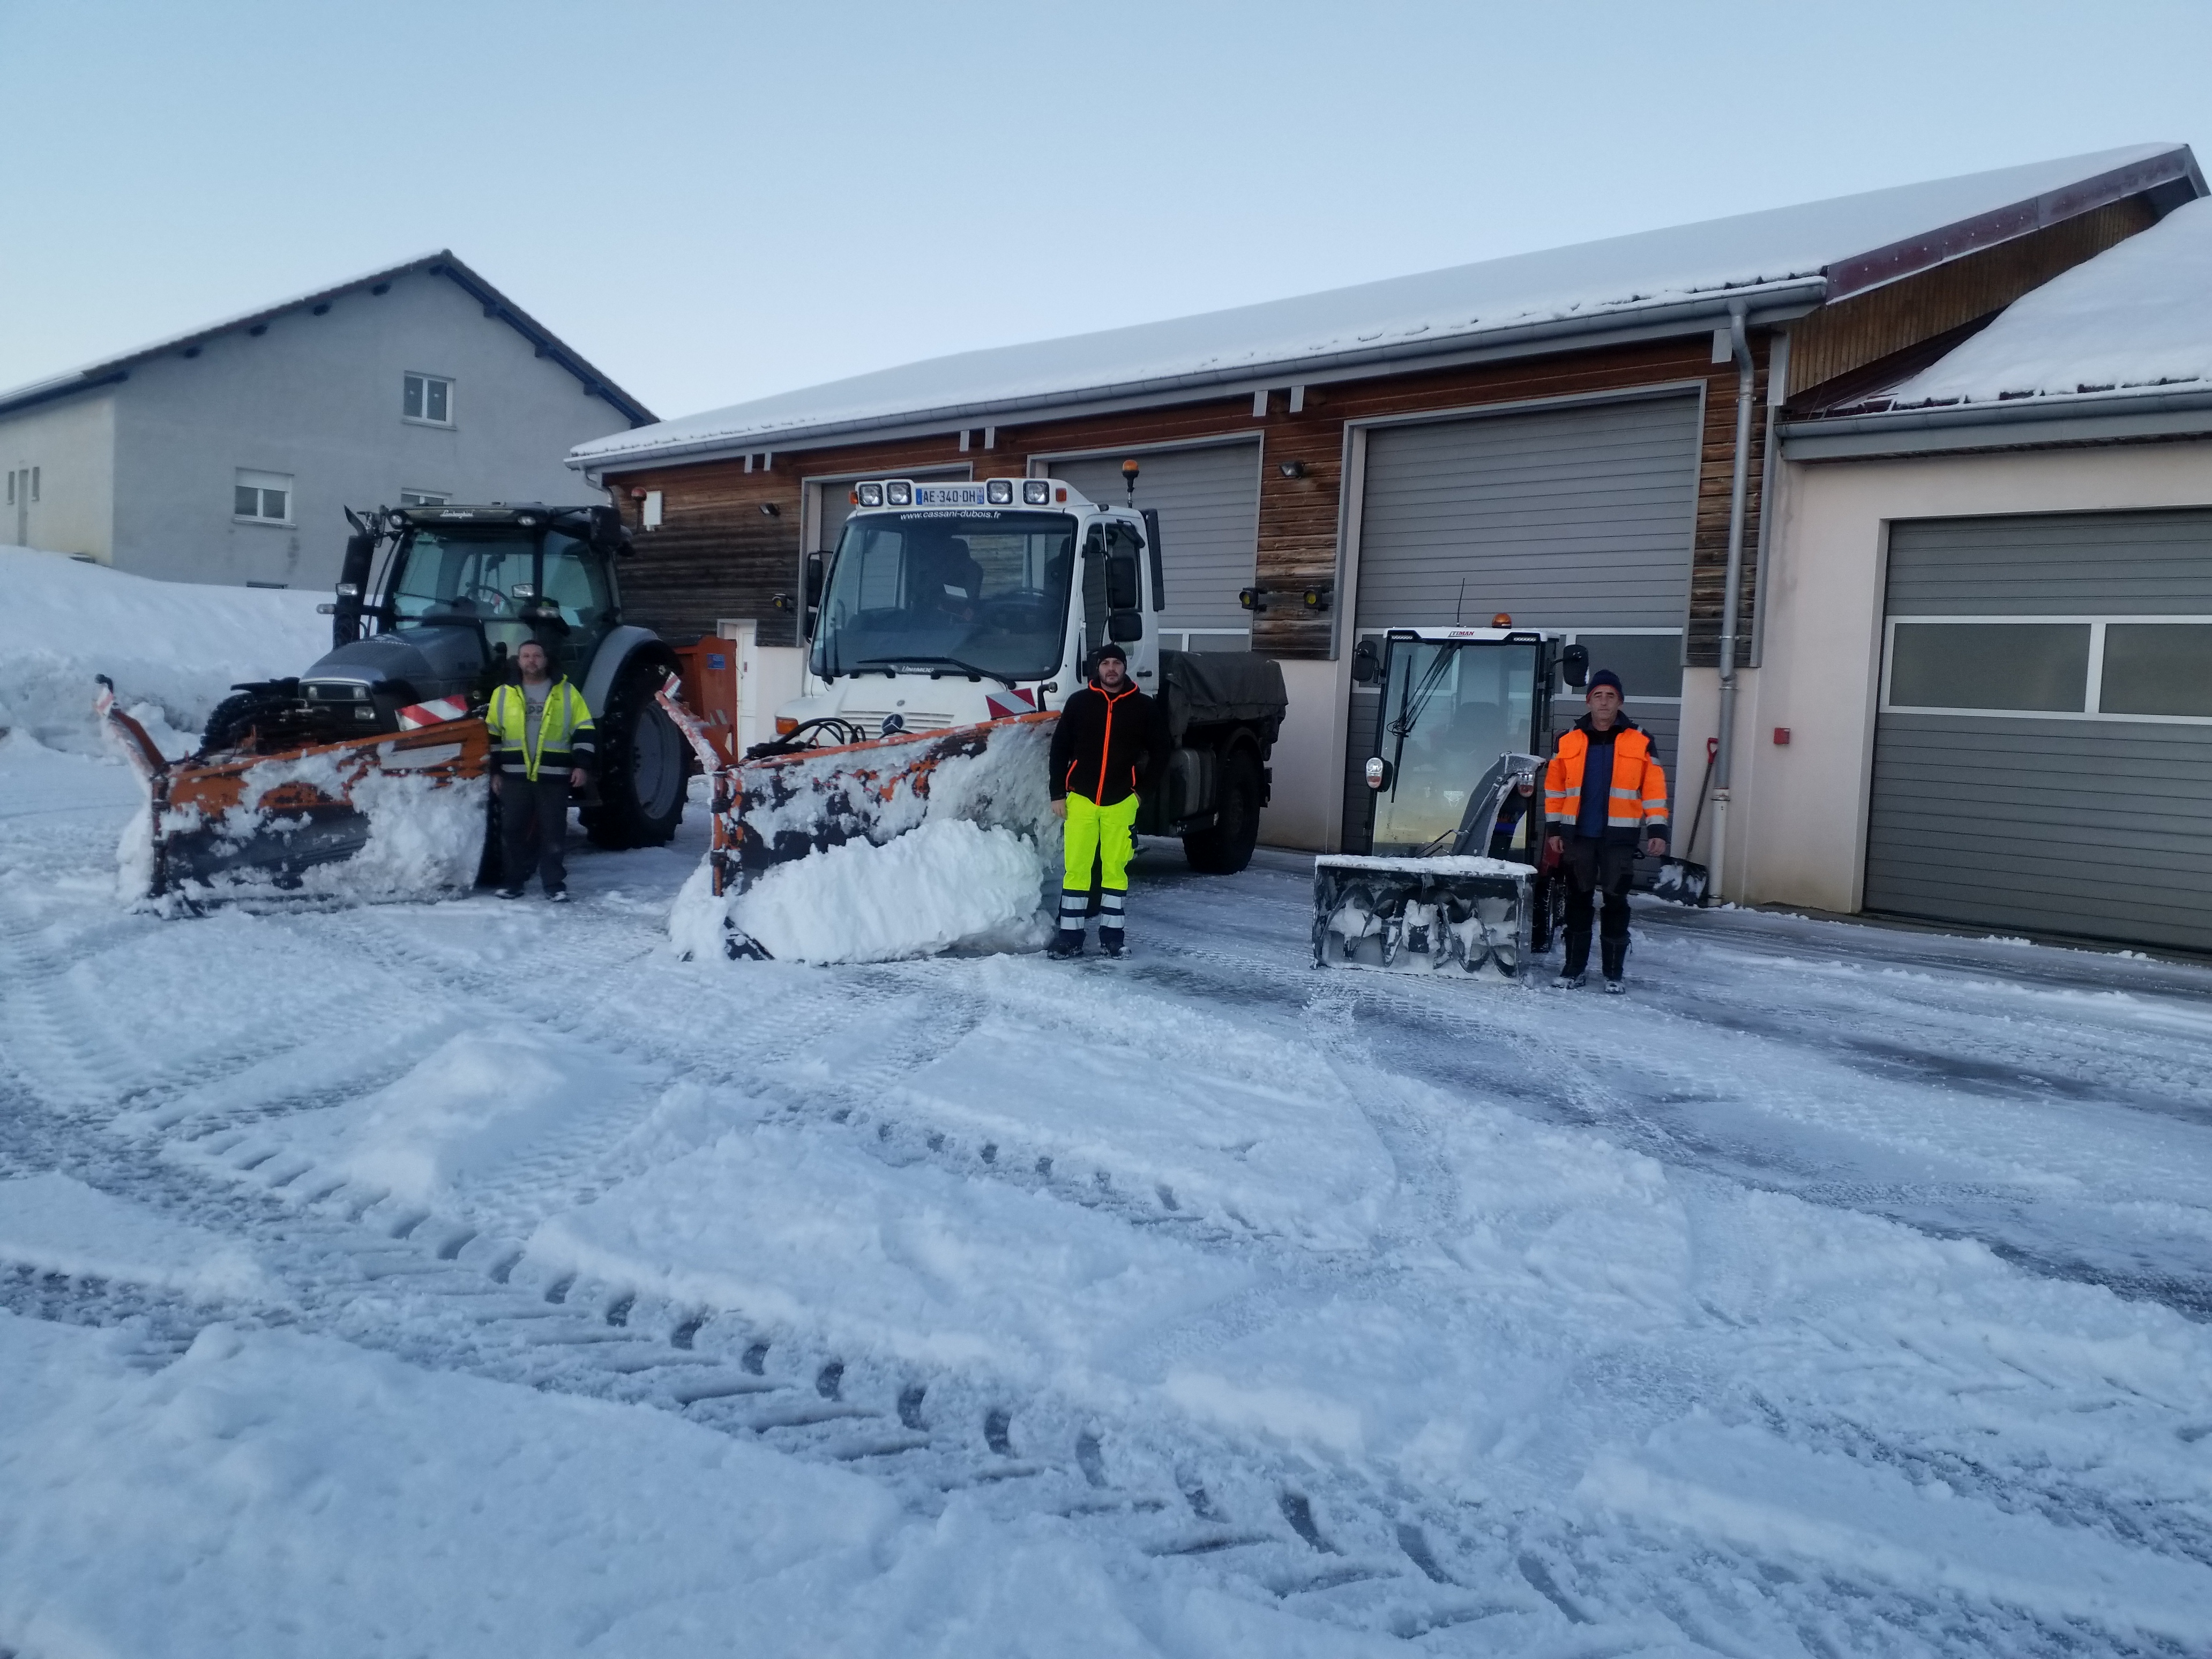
517,584
1449,711
976,589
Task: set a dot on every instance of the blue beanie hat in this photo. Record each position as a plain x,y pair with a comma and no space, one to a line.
1604,677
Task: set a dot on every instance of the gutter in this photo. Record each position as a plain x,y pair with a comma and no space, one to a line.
2084,418
1740,349
1777,301
54,390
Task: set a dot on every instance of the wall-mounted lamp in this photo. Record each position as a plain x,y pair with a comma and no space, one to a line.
1253,600
1292,469
637,492
770,510
1318,595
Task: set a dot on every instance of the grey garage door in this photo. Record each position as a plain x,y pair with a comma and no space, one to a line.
1208,498
2043,756
1580,519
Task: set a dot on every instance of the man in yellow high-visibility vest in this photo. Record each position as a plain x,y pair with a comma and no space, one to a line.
543,746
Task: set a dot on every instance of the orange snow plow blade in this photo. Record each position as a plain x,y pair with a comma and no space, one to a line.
781,808
409,807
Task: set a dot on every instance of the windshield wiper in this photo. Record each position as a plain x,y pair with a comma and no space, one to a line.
968,668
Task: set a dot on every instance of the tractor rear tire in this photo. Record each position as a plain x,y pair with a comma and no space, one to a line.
644,765
1227,846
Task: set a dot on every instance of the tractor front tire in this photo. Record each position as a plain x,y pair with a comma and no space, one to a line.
644,765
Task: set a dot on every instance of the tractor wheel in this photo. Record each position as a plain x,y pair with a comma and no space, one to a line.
234,717
1227,846
644,765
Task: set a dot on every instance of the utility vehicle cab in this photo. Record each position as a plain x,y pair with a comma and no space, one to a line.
1454,701
948,604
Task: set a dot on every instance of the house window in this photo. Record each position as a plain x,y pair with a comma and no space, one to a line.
424,498
428,399
262,497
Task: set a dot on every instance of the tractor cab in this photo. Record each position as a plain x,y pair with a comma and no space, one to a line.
1455,700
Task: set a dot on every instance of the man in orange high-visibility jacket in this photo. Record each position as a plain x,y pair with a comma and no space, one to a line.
1603,795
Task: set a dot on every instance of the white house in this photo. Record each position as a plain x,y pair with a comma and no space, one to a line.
225,455
1986,691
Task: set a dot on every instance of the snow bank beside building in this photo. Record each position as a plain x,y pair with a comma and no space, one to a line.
173,649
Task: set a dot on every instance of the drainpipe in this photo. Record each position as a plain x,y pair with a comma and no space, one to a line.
1733,601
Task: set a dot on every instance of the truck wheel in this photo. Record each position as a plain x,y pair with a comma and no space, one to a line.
643,766
1227,847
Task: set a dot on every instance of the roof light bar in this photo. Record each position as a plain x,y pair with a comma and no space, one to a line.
898,493
869,495
999,492
1036,492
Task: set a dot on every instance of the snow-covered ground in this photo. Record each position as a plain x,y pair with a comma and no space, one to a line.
477,1278
484,1279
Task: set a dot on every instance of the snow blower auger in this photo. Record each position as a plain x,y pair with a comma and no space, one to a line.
789,800
1448,882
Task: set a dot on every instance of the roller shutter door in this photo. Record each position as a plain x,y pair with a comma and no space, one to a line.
1581,520
1208,499
2043,755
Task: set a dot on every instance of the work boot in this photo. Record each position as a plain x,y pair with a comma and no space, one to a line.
511,892
1612,957
1068,942
558,896
1110,941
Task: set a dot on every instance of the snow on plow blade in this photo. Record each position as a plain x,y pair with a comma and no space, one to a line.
1466,918
395,815
779,809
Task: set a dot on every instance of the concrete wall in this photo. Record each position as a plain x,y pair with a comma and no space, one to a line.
1797,833
1307,760
72,445
318,399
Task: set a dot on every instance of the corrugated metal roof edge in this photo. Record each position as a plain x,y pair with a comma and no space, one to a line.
2172,408
1775,302
443,262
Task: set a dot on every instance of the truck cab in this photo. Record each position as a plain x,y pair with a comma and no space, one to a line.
949,604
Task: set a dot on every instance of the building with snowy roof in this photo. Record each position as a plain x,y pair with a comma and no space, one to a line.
1578,438
225,455
1987,631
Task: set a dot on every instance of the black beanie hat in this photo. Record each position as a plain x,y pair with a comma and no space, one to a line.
1110,649
1604,677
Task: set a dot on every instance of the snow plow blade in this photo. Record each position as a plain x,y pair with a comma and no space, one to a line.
1467,918
399,815
778,809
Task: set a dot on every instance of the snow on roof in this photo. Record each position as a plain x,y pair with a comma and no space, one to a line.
2139,315
1814,249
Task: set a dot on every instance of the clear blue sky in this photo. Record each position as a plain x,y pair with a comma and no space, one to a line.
715,202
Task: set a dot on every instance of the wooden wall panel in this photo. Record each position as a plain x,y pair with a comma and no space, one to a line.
1857,330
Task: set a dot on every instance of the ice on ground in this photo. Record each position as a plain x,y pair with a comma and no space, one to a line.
946,883
173,649
271,1493
54,1225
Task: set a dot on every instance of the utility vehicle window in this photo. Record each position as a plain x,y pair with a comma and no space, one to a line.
472,578
982,590
576,582
1448,712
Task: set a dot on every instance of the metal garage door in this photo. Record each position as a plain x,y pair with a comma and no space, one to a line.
1208,499
1580,519
2043,756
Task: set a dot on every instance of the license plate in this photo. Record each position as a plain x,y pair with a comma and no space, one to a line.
958,495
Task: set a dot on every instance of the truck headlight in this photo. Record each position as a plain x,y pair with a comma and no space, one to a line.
900,494
871,494
1036,492
1000,492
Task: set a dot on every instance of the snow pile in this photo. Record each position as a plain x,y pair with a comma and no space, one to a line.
55,1225
962,855
2137,315
173,649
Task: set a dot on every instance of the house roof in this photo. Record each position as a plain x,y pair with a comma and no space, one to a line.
442,262
1788,256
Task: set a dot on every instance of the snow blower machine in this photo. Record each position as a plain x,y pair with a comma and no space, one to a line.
368,776
944,634
1454,821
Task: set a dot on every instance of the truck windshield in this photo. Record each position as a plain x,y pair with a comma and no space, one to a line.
983,589
1449,712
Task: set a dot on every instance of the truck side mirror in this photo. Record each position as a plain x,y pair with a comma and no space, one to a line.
817,569
1122,592
1152,548
1574,665
1123,626
1366,664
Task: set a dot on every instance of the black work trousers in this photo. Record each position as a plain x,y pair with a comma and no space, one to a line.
1593,868
533,828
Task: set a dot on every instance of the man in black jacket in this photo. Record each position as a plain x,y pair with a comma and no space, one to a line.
1110,740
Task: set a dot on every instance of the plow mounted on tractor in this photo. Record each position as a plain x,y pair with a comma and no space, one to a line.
368,776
